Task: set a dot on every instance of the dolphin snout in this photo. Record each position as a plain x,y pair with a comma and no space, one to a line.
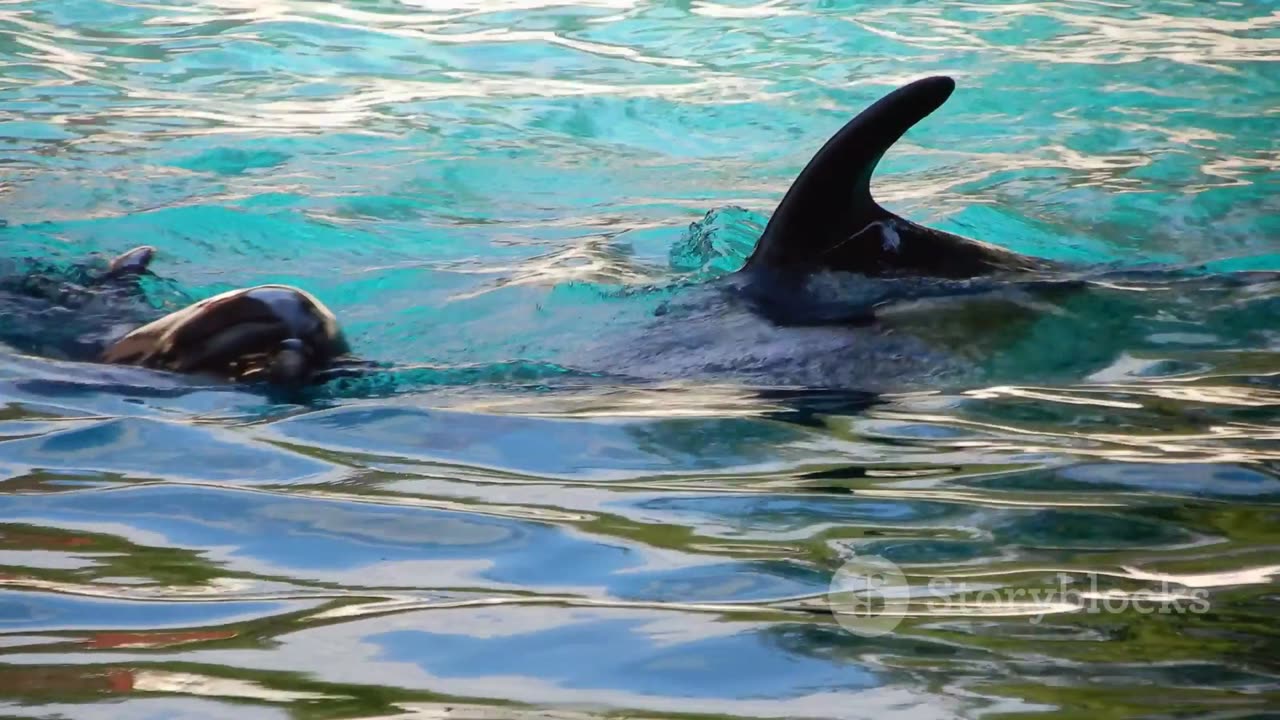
291,364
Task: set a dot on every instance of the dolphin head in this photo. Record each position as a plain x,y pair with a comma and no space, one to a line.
273,333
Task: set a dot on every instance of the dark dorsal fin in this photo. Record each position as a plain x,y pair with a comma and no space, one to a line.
828,219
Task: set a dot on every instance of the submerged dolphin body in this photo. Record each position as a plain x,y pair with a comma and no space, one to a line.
72,312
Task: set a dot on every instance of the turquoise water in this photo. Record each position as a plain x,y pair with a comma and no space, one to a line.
480,191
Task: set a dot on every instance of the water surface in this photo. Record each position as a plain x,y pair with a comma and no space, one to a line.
479,189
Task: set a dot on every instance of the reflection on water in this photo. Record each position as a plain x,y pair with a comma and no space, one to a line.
628,570
480,189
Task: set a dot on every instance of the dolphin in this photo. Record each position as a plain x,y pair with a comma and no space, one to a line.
814,305
827,225
96,312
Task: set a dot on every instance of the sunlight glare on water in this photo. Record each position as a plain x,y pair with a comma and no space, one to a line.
485,191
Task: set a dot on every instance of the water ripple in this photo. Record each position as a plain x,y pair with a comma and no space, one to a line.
480,189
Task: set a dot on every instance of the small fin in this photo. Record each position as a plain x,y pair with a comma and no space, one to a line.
133,262
828,219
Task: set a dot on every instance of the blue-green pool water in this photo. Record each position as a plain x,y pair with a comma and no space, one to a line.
480,189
